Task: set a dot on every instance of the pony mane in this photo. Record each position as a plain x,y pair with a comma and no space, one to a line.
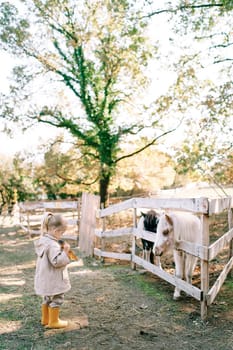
186,226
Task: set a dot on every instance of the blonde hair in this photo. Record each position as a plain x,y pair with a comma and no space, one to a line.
52,221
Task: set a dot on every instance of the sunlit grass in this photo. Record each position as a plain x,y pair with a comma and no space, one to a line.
11,281
9,326
5,297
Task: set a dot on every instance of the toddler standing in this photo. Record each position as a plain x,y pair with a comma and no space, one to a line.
51,276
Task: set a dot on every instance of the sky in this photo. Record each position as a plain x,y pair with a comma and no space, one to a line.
19,141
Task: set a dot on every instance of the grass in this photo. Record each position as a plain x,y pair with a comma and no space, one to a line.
20,327
20,311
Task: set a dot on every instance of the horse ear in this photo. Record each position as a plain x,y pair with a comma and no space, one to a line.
169,219
143,214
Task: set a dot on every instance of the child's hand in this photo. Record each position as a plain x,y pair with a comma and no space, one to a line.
66,247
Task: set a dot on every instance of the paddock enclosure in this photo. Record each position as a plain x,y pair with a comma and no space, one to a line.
92,227
206,252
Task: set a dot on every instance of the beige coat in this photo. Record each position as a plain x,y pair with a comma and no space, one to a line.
51,277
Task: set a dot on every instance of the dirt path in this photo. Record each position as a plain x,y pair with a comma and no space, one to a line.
110,307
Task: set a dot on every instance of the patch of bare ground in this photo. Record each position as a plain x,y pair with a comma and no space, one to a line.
109,307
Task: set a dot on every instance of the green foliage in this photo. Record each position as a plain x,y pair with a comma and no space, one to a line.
65,173
14,30
15,182
227,5
98,51
222,170
193,158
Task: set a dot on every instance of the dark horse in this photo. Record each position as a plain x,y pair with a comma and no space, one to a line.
148,222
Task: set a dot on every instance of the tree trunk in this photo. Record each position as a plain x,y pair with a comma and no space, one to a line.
103,188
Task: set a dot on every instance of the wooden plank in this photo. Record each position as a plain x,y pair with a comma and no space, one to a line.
26,206
193,249
115,208
98,233
32,222
148,235
120,256
133,248
103,219
172,279
29,230
204,266
221,243
123,231
219,282
34,232
61,205
72,222
90,204
33,206
230,225
69,237
218,205
196,205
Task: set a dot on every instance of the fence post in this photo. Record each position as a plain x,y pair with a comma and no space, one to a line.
78,219
103,230
230,224
133,265
204,266
90,203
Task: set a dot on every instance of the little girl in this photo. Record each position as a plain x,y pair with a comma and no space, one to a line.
51,276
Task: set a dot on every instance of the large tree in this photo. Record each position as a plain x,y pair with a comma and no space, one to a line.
201,34
93,54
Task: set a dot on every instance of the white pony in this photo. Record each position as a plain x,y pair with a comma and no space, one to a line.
171,228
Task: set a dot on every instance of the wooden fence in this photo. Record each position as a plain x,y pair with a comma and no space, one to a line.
205,251
31,213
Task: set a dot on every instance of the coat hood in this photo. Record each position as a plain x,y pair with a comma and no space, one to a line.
41,245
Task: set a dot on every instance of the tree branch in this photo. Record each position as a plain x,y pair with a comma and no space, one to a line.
181,8
223,60
78,182
146,146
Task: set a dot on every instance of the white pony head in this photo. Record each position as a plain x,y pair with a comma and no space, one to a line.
164,238
173,227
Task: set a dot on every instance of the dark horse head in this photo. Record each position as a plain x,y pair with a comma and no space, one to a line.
150,222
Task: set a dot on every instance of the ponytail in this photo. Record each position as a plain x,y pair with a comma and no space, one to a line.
45,223
51,220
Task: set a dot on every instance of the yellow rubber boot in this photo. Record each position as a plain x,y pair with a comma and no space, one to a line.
44,314
54,321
